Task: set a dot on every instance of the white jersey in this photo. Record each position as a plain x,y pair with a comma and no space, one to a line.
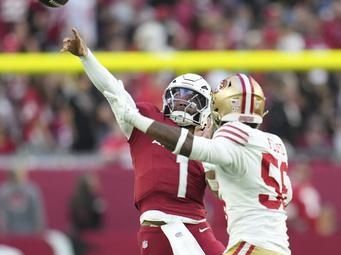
251,169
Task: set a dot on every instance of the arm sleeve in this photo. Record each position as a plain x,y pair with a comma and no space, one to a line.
217,151
208,166
105,81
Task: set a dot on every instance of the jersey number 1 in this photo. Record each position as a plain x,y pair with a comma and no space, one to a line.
278,185
183,172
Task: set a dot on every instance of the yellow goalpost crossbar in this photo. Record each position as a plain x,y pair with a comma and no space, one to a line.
195,61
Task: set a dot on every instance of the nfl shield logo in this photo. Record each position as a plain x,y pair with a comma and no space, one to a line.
178,234
144,244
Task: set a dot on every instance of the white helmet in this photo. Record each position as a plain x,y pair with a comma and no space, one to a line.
187,100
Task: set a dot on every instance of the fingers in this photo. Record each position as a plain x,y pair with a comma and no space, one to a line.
66,44
75,33
74,45
67,40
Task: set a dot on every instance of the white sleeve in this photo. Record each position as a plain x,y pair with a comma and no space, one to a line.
209,166
105,81
219,151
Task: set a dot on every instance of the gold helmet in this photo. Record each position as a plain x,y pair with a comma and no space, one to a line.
239,98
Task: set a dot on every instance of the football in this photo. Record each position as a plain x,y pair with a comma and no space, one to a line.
54,3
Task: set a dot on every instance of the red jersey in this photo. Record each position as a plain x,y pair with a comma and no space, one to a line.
164,181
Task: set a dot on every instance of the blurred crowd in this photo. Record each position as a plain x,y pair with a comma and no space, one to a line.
60,113
23,211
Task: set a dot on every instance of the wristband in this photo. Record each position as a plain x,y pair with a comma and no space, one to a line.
141,122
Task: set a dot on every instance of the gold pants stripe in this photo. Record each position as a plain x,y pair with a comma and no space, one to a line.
244,248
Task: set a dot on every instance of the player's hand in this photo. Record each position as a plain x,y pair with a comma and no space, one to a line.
211,180
207,131
123,111
75,45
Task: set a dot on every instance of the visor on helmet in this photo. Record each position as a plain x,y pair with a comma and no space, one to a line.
185,99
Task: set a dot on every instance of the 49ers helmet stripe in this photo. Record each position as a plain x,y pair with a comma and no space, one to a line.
252,93
247,97
242,83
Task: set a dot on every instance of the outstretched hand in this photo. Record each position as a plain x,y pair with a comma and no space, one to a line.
123,111
75,45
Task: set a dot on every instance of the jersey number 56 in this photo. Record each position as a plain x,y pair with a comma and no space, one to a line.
278,185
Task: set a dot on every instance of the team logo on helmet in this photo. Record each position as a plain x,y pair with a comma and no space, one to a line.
223,84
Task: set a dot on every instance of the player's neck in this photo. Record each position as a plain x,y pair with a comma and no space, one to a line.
191,129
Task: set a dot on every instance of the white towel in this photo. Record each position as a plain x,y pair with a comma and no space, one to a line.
181,239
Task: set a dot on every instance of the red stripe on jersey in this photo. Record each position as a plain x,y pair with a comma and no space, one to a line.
244,93
233,133
230,138
249,251
236,128
241,245
252,91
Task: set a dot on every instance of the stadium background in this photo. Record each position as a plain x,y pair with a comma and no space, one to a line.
56,127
